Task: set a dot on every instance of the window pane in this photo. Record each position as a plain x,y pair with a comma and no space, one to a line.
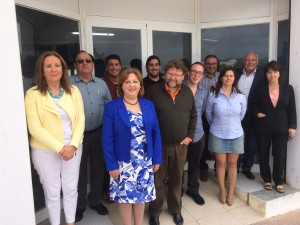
283,43
172,45
230,44
124,42
40,32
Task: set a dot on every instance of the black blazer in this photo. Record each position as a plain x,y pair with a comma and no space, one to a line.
280,118
258,79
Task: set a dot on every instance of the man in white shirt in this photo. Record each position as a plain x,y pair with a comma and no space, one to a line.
248,81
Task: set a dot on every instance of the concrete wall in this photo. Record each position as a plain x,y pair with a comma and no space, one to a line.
16,199
293,152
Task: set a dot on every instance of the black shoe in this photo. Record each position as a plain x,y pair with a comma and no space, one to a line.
153,220
101,209
196,197
249,175
79,214
177,218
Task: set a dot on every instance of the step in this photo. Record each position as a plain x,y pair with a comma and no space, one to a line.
266,203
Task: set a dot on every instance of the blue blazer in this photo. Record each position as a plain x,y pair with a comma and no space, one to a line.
116,133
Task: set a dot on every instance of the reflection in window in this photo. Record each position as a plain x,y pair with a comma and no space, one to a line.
40,32
172,45
283,43
231,43
124,42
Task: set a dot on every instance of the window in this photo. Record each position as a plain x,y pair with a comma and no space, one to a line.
169,45
124,42
230,44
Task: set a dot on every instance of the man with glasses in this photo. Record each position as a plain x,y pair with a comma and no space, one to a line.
153,72
176,112
248,81
211,75
95,94
195,150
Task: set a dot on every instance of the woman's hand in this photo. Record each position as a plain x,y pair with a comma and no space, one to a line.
292,133
67,152
155,167
114,174
261,115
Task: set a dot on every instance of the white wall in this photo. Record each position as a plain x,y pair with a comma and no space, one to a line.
16,199
293,154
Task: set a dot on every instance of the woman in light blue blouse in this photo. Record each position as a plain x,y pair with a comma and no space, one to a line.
225,109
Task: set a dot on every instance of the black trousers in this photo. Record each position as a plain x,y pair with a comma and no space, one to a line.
279,144
203,166
194,154
92,152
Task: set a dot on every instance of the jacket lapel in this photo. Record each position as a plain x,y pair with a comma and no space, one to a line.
121,109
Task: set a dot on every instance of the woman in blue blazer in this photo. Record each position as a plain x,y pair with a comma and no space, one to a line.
132,147
274,108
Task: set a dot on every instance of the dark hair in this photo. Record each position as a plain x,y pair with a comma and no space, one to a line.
152,57
219,82
176,63
92,57
39,78
112,56
215,57
197,63
273,65
124,76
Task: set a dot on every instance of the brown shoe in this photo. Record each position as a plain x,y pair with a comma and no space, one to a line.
203,176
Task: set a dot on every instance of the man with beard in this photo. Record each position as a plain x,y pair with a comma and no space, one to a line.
153,72
177,116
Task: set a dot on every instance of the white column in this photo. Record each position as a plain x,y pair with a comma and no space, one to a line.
293,152
16,198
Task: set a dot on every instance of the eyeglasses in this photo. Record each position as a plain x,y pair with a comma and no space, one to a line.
175,75
80,61
195,72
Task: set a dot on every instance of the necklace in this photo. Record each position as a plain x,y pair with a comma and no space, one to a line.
130,102
61,92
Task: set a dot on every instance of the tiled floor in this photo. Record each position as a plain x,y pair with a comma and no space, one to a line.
212,213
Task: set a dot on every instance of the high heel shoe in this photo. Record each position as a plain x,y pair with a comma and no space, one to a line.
222,198
229,201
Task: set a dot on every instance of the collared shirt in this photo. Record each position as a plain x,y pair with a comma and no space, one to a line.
245,82
209,81
94,94
200,103
147,82
112,88
225,114
173,95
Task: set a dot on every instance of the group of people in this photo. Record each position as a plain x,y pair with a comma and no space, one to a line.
142,130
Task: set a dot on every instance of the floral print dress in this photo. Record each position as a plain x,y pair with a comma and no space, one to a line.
135,183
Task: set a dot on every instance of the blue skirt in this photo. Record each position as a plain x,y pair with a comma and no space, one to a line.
220,145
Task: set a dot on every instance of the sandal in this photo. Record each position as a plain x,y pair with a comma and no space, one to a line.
268,186
280,189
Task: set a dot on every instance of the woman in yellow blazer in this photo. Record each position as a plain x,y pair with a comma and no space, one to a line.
55,119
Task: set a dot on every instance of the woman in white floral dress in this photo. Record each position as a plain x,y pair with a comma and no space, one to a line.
132,147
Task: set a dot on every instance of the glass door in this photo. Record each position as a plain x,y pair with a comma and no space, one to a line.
124,39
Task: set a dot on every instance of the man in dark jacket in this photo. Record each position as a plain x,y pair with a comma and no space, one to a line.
177,116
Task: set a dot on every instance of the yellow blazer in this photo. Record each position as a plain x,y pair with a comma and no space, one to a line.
44,122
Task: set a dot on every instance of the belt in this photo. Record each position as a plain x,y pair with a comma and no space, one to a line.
91,131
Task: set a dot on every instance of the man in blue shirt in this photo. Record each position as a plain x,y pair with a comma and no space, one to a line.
196,148
95,94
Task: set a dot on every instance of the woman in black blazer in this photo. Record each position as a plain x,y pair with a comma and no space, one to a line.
276,121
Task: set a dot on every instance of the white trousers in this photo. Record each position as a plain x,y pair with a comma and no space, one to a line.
56,174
